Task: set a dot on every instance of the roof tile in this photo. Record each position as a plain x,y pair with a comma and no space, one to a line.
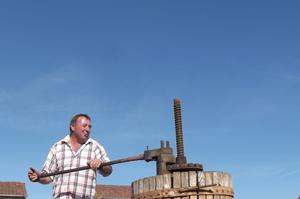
12,189
114,191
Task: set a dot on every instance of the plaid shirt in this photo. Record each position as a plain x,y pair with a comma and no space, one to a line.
80,184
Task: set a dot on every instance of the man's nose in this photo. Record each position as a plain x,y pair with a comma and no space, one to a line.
86,128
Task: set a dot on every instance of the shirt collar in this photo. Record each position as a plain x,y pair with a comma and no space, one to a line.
67,140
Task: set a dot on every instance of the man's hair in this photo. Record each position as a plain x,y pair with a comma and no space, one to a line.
75,117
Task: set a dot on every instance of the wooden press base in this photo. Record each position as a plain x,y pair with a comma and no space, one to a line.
184,185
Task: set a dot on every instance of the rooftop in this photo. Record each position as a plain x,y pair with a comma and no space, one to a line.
12,189
114,191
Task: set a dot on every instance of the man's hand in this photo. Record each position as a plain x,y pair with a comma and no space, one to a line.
33,175
94,164
104,170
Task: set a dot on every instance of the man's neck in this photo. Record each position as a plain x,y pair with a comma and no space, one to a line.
75,145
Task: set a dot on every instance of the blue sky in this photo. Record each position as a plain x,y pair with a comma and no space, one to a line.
233,64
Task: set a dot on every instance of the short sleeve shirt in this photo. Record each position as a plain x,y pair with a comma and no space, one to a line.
80,184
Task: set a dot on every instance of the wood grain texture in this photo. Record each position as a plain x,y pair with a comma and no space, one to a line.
184,180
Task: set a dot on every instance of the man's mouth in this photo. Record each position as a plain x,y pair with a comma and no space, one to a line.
86,135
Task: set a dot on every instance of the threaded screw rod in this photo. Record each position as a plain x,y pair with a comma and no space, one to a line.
180,159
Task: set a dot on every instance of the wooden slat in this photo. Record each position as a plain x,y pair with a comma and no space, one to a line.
159,182
141,186
185,181
201,182
152,184
134,188
216,180
193,181
208,181
221,182
167,181
146,184
221,178
176,180
192,178
225,180
201,178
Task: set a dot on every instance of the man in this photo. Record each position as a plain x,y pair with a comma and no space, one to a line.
75,150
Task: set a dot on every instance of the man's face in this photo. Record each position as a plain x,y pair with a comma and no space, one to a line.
81,129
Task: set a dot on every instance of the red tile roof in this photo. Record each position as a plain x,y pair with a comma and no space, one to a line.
12,189
113,191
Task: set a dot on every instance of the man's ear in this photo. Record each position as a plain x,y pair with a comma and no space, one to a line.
72,127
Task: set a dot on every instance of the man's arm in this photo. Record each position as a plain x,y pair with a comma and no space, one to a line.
102,156
33,176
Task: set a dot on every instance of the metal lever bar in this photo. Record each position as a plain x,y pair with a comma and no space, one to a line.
134,158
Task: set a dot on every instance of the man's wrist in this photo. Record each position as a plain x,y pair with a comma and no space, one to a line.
105,170
36,180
